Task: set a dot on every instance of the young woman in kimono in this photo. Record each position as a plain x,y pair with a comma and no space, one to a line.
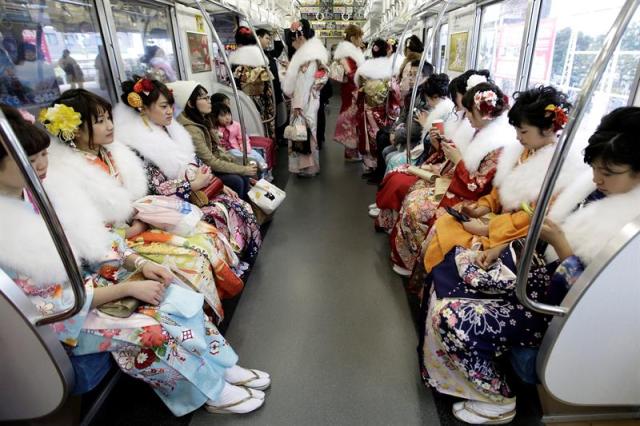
305,77
373,79
475,317
501,216
349,55
397,184
114,178
473,171
144,122
167,342
253,77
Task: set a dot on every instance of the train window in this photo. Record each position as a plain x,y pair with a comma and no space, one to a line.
145,38
570,36
430,47
48,48
501,31
443,39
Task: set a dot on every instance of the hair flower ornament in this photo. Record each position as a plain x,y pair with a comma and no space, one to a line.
474,80
244,31
144,85
559,116
486,102
376,48
296,27
62,121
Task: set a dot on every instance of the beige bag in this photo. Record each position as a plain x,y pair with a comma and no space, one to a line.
336,71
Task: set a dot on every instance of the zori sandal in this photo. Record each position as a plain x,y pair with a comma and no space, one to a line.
245,404
465,411
250,378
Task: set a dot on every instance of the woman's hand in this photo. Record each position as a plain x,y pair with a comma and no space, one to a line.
155,272
421,117
487,258
474,210
251,170
230,192
148,291
202,180
476,227
137,227
554,235
451,151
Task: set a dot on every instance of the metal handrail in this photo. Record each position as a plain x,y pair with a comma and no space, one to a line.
414,92
273,87
564,144
394,60
10,141
225,59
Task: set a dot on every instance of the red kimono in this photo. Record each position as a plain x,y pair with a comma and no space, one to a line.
347,124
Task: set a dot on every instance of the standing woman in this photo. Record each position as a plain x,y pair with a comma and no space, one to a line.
306,75
350,56
374,80
252,75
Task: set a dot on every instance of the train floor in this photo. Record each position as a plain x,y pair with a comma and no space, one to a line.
325,315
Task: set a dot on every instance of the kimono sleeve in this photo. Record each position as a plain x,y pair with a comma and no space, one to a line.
160,185
565,275
507,227
304,84
68,331
491,200
469,185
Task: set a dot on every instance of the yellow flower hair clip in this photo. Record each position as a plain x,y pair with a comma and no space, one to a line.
61,121
527,208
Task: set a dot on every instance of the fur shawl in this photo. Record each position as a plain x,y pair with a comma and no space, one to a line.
522,182
497,134
171,150
25,244
443,111
376,69
346,49
248,55
459,130
312,50
110,197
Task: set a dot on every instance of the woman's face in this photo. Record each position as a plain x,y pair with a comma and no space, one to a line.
160,112
102,131
531,138
614,178
458,102
475,118
10,176
298,42
203,103
225,120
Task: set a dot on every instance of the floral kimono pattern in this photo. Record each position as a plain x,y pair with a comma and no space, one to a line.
231,216
173,347
347,124
255,82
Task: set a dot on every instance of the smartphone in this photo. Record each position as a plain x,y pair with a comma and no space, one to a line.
460,217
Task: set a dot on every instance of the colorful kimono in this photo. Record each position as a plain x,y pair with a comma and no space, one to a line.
173,347
253,77
471,179
375,96
166,154
305,77
351,57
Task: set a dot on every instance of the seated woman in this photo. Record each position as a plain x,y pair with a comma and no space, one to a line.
474,168
113,177
195,103
150,344
501,216
396,185
461,359
144,122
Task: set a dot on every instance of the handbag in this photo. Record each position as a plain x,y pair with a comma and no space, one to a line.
300,136
202,197
336,72
266,196
123,308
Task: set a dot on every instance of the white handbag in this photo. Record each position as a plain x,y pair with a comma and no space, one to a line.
336,71
267,196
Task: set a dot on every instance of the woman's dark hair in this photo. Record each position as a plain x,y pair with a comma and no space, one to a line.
436,86
529,107
379,48
459,84
149,52
261,32
218,110
32,138
401,134
244,37
501,103
217,98
191,110
307,32
88,104
615,141
159,88
414,44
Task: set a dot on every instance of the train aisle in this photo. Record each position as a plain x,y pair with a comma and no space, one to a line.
324,314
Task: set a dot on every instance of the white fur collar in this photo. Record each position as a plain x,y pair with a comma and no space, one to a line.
574,194
442,111
375,69
346,49
171,150
459,130
248,55
25,245
312,50
589,229
523,182
113,199
497,134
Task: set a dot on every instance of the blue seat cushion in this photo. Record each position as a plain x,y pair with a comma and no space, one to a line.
523,361
90,370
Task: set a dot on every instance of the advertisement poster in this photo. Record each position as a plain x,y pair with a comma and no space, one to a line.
458,43
199,52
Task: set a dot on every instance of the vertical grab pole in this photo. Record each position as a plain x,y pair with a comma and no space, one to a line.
400,45
10,141
566,139
414,92
234,87
273,87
